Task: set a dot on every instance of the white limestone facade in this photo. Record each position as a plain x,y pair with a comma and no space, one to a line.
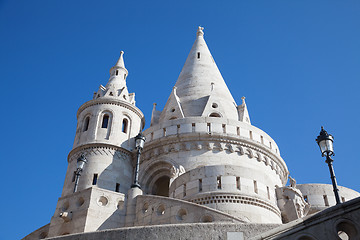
205,170
321,196
204,147
105,134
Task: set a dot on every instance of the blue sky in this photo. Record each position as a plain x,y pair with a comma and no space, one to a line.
297,63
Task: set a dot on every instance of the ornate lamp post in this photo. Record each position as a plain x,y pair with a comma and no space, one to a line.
80,166
139,145
325,142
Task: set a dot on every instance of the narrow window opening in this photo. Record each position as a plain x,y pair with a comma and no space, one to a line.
124,125
208,127
262,139
251,135
74,176
152,136
342,199
117,72
270,145
178,129
218,182
95,179
268,192
193,127
124,76
326,201
105,121
184,190
200,185
238,131
306,198
117,188
198,54
224,128
164,132
86,124
255,187
238,186
111,94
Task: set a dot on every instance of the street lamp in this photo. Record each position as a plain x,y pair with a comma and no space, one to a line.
139,145
79,167
325,142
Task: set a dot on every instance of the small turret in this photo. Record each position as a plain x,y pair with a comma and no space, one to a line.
116,86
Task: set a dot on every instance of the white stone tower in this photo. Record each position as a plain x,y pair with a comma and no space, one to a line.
202,147
105,133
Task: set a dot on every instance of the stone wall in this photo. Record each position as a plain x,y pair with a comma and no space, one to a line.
215,231
338,222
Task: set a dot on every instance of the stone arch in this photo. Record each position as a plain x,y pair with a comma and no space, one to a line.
100,119
156,181
215,114
346,229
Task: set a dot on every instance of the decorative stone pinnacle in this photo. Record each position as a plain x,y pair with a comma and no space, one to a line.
121,52
243,99
200,31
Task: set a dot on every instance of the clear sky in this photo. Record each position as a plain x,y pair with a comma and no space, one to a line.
297,63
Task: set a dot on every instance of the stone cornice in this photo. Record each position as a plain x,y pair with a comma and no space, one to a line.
198,141
111,101
91,146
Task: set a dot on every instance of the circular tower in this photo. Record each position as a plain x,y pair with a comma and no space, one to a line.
202,147
105,133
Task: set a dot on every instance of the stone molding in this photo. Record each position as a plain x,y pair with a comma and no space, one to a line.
111,101
99,149
199,141
234,198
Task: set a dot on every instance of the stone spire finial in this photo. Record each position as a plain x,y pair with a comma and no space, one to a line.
120,63
200,31
243,100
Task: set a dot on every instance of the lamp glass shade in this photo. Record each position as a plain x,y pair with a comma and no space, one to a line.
325,142
139,141
81,162
326,146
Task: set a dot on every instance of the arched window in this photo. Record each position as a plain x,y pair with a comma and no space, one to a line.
86,124
125,124
105,121
214,115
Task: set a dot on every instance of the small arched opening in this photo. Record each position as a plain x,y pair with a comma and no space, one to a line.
86,124
105,121
161,186
125,124
346,230
214,114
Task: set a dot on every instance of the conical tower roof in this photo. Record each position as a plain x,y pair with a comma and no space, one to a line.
199,82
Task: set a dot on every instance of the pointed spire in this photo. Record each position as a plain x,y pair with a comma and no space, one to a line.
120,63
116,86
200,78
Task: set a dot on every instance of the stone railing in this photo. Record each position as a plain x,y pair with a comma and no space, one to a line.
211,125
